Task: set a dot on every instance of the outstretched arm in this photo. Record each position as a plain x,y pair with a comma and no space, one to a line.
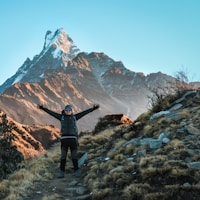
52,113
85,112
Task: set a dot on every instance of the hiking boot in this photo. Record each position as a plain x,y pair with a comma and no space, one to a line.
61,174
77,173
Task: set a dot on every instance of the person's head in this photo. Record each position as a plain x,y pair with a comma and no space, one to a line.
68,109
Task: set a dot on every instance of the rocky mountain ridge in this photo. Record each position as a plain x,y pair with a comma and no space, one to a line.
31,140
57,50
61,75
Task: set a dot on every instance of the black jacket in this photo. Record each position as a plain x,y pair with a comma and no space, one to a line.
68,122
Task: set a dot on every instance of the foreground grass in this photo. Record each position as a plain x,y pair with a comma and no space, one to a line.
32,171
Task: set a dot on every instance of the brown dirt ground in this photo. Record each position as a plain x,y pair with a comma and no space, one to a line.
68,188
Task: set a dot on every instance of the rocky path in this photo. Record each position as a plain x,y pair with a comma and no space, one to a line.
67,188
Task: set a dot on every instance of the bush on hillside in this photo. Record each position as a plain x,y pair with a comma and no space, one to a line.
10,157
163,96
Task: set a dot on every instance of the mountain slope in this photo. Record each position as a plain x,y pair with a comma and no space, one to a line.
62,75
117,90
32,140
154,157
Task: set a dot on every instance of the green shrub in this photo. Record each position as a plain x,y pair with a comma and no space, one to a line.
10,157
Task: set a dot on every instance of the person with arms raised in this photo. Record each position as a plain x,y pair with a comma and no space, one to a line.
69,134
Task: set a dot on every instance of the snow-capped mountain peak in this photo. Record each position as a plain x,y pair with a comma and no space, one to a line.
58,49
60,39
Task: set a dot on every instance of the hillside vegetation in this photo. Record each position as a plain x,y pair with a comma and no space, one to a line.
155,157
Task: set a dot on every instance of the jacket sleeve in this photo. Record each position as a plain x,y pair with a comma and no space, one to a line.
52,113
83,113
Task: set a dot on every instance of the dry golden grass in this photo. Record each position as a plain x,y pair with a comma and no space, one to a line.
123,181
129,149
144,161
119,157
92,155
4,187
130,166
179,172
111,164
94,168
155,196
150,130
129,135
92,163
100,194
144,117
185,113
107,178
147,130
94,184
175,126
167,129
177,144
163,121
102,165
100,138
178,154
119,143
149,172
85,140
196,158
112,154
89,177
52,197
154,160
135,191
117,173
36,169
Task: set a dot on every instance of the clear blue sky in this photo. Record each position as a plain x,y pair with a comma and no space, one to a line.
146,35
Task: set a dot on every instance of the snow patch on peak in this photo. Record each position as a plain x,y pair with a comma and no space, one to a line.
48,39
42,75
60,39
51,37
19,77
57,53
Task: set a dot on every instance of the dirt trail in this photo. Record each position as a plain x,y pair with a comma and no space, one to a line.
68,188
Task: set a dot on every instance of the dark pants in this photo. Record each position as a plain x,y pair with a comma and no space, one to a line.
72,145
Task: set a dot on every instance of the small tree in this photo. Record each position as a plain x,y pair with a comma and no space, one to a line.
163,96
182,82
10,157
